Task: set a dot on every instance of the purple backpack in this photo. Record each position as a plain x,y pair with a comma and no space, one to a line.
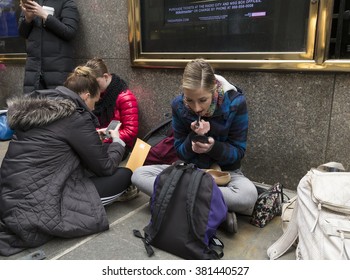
187,207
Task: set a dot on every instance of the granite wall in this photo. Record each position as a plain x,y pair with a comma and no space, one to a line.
297,120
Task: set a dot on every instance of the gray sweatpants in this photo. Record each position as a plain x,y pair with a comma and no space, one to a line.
240,193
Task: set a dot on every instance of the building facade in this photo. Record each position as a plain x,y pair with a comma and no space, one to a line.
298,119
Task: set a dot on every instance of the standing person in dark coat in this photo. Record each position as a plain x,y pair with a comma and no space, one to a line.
57,174
49,37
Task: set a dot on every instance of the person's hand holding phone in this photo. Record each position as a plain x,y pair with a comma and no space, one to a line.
112,131
32,9
202,144
25,6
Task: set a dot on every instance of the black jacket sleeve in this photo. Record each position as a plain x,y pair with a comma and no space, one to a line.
84,140
66,25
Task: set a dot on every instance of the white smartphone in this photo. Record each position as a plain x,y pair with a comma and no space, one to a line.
112,126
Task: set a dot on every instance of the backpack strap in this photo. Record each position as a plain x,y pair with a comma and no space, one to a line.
287,239
160,126
216,245
148,246
191,197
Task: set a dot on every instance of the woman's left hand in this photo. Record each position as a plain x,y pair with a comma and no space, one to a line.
202,148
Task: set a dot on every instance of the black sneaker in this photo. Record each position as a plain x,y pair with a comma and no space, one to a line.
230,224
129,194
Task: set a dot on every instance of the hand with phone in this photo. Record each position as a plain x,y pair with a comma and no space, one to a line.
202,144
32,9
111,131
25,6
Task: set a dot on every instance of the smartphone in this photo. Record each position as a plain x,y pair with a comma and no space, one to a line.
200,138
112,126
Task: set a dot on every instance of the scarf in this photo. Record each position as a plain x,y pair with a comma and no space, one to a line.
104,108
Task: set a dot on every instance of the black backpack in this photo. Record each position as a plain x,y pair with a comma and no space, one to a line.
159,132
187,207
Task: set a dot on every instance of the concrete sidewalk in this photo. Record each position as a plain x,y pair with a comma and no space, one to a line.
118,243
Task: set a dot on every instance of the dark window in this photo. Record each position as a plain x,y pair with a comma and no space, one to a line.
224,26
340,32
10,41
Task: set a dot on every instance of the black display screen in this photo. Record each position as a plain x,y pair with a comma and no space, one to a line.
224,26
10,41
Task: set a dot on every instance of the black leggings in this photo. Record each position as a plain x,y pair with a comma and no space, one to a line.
114,184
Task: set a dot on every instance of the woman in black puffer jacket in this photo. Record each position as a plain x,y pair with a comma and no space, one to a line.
48,42
57,174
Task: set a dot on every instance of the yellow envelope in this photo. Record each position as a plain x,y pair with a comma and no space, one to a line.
138,155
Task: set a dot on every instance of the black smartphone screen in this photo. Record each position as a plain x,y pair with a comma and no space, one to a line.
200,138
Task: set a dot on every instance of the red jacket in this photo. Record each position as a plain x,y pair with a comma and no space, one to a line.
126,111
